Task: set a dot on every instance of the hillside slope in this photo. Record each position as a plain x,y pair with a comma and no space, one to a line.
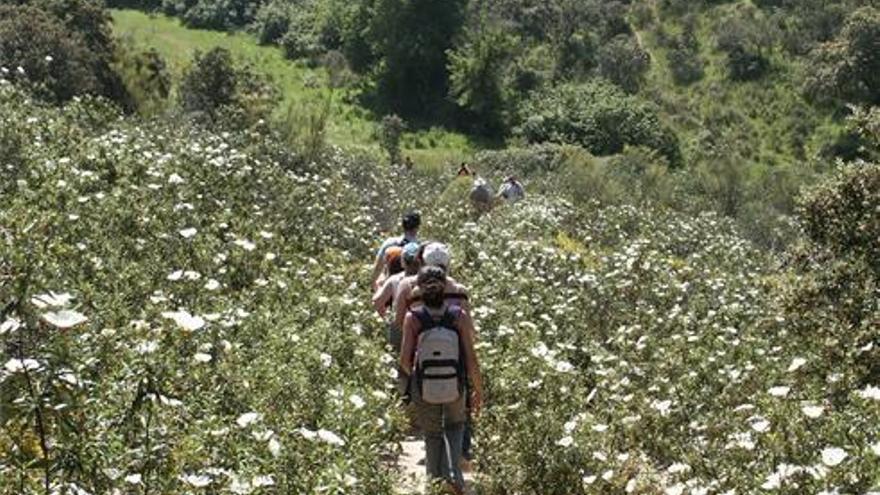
187,312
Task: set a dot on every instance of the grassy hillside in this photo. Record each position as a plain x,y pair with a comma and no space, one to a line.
304,88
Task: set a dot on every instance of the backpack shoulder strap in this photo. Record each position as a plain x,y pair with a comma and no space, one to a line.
450,317
426,321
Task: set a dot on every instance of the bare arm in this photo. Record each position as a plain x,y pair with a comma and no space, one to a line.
382,297
404,291
408,346
467,332
378,266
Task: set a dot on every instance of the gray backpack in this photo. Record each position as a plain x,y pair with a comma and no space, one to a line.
439,367
481,193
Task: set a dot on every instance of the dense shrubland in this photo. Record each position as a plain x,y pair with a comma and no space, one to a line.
183,303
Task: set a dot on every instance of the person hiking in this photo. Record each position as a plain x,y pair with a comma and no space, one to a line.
383,300
512,190
406,300
410,223
408,163
481,195
432,254
393,264
464,170
439,357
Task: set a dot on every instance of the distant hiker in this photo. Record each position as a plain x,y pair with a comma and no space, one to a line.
481,195
464,170
410,223
438,354
511,190
408,163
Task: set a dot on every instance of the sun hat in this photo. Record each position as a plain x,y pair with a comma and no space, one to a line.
436,254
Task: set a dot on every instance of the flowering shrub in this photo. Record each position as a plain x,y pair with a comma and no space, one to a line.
186,312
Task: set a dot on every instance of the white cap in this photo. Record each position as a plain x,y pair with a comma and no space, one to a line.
436,254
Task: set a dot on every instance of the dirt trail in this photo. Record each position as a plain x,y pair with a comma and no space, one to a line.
411,467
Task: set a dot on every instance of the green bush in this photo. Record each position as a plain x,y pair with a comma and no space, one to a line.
57,62
215,89
848,67
597,116
745,36
63,48
624,62
272,22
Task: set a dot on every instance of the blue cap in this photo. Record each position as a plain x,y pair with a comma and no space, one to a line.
411,251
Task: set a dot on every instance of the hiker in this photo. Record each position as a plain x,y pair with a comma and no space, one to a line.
408,163
512,190
393,264
481,195
464,170
433,254
410,224
438,354
383,299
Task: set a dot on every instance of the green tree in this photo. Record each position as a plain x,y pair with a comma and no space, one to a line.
412,39
848,67
476,74
596,115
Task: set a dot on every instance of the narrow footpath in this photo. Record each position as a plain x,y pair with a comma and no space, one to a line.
411,468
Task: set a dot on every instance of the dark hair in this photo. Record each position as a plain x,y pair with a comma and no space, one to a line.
411,220
396,265
432,284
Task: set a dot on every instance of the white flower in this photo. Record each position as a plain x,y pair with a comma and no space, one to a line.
43,301
274,447
147,347
247,418
600,428
875,448
48,58
175,179
589,480
18,365
201,357
662,406
796,363
832,456
566,441
196,480
245,244
678,467
259,481
64,318
175,276
330,437
676,489
812,411
326,359
188,232
357,401
564,366
9,326
308,434
870,392
761,425
780,391
133,479
212,284
185,320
